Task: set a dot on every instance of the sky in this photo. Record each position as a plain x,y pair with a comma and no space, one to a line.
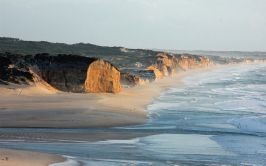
225,25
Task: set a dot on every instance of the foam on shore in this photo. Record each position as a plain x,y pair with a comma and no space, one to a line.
68,162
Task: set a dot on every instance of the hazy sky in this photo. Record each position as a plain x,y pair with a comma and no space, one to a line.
168,24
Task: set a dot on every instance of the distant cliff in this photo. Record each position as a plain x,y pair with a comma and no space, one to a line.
164,65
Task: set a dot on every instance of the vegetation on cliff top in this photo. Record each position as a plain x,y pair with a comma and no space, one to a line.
121,57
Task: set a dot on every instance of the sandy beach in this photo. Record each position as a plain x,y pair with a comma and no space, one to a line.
26,158
36,106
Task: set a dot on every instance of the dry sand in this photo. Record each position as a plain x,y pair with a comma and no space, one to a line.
35,106
25,158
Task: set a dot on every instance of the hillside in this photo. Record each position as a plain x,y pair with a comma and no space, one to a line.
121,57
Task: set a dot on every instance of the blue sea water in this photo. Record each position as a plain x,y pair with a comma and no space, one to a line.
216,118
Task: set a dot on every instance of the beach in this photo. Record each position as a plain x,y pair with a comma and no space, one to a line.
36,106
186,103
26,158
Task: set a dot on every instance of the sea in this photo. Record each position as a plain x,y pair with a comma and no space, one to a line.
216,118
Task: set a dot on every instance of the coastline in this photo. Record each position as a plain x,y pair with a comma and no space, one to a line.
126,103
125,108
34,107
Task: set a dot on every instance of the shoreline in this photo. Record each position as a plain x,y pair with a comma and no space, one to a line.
127,102
110,101
28,108
35,107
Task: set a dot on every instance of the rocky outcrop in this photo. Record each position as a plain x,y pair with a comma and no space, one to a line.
102,77
73,73
157,72
64,72
128,80
13,72
79,74
187,61
133,77
166,63
70,73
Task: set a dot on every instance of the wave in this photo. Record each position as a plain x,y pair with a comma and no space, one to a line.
68,162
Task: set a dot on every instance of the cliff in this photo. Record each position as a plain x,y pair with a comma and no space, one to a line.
80,74
102,77
167,64
164,65
14,72
86,74
119,56
188,61
69,73
133,77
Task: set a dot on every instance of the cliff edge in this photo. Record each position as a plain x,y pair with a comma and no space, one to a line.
69,73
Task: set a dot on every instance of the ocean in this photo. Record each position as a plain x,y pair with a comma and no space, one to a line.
215,118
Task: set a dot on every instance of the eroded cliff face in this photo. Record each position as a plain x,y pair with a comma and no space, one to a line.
187,61
158,74
128,80
102,77
64,72
72,73
133,77
69,73
166,63
14,71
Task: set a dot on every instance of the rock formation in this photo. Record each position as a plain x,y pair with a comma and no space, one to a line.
128,79
64,72
13,72
102,77
157,72
187,61
133,77
166,63
79,74
70,73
